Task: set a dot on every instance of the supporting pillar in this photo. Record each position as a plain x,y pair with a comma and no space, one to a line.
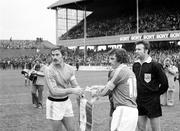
96,52
57,39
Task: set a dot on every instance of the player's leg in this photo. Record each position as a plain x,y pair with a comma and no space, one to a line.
142,122
124,119
55,113
163,99
170,97
155,124
154,114
69,120
34,96
40,95
69,123
56,125
26,81
29,82
142,118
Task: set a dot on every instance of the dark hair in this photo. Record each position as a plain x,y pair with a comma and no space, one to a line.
37,67
59,48
38,59
120,54
145,43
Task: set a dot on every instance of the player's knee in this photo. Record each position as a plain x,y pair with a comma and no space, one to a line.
155,127
71,129
141,126
55,129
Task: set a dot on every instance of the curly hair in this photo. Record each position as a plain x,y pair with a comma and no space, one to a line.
167,59
121,55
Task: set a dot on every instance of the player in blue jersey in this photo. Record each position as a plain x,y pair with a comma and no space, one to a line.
122,86
61,82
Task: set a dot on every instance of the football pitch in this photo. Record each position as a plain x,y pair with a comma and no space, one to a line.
18,114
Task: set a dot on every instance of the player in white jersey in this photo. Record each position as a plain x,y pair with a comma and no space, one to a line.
122,86
61,82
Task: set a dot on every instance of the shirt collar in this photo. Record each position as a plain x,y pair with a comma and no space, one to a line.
148,60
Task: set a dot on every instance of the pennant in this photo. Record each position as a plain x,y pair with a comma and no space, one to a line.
86,108
85,115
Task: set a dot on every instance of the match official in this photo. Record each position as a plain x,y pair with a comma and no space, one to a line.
151,83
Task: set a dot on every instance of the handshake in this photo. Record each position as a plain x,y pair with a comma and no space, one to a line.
95,90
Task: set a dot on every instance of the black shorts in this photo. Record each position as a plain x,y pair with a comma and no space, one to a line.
111,105
152,109
111,109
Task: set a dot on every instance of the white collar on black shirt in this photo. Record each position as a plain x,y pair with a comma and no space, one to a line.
148,60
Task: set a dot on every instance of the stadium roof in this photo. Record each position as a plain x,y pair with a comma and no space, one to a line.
92,5
62,3
89,4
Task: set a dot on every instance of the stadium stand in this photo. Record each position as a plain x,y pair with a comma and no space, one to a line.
25,44
106,25
15,53
115,22
153,19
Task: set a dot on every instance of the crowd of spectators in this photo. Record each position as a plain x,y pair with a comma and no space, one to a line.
22,62
20,44
17,44
150,20
99,58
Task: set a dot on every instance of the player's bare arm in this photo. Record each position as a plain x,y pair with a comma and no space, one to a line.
61,92
106,91
110,85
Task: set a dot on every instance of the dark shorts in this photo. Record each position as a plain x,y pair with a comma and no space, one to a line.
111,105
111,108
151,109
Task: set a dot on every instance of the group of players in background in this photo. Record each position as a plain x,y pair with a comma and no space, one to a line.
135,93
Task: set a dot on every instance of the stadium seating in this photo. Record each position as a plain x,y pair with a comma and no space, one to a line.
150,20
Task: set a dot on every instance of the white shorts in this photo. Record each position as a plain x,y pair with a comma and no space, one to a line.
124,119
58,110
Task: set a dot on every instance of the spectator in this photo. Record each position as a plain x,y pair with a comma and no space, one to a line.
168,97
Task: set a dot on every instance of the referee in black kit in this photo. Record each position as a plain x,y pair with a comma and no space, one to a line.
151,83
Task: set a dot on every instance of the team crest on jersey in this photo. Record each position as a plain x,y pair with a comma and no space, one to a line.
147,77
